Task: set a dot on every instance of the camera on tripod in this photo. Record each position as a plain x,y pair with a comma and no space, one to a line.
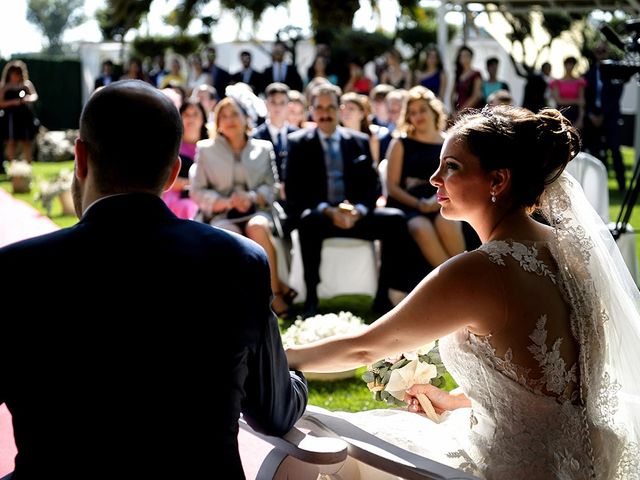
621,71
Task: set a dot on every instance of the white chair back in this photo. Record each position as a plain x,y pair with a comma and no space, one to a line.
592,176
382,173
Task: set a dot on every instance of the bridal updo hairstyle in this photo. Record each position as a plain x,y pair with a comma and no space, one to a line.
536,147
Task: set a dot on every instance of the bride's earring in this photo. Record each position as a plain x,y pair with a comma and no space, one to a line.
493,197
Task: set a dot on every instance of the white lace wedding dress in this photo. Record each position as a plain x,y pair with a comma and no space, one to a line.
529,416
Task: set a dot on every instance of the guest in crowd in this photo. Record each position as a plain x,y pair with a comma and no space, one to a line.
135,71
378,99
602,120
568,93
104,397
434,76
220,77
413,157
281,71
467,86
206,96
17,95
247,74
492,84
106,75
234,184
276,127
332,188
198,76
354,114
358,82
194,130
394,72
297,109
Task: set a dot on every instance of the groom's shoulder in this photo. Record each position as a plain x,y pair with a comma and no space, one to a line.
226,245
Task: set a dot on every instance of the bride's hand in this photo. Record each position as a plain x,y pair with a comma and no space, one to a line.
440,399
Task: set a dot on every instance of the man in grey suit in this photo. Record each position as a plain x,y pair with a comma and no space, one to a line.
119,384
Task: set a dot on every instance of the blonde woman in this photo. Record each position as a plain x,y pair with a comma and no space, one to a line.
413,157
234,183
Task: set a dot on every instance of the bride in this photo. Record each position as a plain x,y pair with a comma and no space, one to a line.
539,326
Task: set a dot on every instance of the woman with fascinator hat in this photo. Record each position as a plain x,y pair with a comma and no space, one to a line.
539,326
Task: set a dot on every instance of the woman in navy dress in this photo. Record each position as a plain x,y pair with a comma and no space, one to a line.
413,157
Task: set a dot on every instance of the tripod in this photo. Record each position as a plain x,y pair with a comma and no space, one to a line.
628,203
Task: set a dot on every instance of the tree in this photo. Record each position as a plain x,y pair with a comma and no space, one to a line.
331,14
554,23
53,17
120,16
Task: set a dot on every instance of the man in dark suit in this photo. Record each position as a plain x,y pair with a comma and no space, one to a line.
602,119
120,384
331,189
106,75
247,74
280,71
276,128
219,76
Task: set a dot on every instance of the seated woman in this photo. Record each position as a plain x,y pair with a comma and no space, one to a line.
413,157
539,326
234,183
354,114
194,129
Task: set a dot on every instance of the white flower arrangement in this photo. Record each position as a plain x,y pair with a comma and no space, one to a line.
18,168
50,190
321,326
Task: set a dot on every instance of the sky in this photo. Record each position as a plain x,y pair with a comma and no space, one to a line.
17,35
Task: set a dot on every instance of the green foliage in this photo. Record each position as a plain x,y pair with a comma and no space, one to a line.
557,22
120,16
329,14
181,44
347,44
53,17
254,7
520,27
418,28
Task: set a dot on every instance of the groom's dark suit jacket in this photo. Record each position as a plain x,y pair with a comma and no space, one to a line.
137,340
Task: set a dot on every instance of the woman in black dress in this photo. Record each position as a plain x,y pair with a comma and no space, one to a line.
413,157
17,121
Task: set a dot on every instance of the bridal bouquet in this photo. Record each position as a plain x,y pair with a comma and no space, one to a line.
389,378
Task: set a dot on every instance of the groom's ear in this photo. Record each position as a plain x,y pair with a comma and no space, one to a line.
500,181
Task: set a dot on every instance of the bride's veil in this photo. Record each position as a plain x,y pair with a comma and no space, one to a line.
605,322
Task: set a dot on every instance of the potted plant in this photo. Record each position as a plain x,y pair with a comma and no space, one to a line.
20,172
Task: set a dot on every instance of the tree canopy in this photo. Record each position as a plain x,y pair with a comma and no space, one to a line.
53,17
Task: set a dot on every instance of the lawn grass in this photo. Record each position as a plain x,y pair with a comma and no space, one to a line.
351,394
44,172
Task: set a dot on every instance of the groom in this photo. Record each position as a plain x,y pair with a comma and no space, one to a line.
121,369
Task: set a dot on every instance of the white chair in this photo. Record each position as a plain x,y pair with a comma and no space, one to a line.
382,173
370,458
347,266
295,455
591,174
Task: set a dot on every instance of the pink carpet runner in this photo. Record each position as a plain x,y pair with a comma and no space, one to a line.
18,220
